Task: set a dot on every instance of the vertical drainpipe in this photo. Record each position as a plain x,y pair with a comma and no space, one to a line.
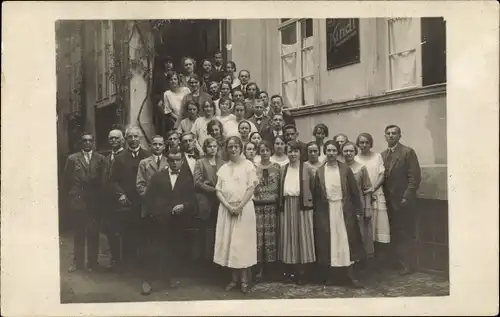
83,81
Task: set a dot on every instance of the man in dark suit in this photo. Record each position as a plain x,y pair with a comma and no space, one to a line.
401,181
277,108
123,183
264,96
258,118
274,129
244,77
189,152
291,134
111,218
82,185
169,199
218,69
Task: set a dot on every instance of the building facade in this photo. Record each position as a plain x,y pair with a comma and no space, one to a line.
354,75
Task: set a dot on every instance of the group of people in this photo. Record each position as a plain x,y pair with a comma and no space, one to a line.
232,185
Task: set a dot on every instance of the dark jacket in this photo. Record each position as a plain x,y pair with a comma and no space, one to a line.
402,175
82,182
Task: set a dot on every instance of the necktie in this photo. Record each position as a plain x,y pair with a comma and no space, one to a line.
158,162
87,157
112,156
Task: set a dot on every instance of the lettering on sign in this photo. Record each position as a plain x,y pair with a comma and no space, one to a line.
342,36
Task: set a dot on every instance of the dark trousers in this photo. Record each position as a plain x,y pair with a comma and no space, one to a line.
86,233
123,230
162,250
402,226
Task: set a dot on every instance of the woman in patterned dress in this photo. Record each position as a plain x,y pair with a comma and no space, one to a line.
296,242
266,197
236,235
375,167
349,150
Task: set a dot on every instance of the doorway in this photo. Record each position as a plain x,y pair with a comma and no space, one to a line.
198,39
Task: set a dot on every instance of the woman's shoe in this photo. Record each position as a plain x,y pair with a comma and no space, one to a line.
231,285
245,287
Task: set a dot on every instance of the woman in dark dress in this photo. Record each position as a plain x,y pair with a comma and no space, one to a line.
336,204
205,178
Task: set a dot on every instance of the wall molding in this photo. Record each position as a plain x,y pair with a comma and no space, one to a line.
389,97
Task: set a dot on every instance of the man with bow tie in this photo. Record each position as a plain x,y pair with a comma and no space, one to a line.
127,200
169,201
258,118
274,129
189,152
244,77
401,181
82,185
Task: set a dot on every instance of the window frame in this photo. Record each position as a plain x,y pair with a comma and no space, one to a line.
299,78
102,59
418,54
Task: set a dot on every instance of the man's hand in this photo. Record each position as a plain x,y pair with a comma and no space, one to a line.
404,201
177,209
123,199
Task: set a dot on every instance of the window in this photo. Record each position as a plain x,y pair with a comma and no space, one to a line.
433,38
417,52
297,62
103,52
404,50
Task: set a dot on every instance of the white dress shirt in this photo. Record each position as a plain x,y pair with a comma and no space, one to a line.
191,162
87,156
173,178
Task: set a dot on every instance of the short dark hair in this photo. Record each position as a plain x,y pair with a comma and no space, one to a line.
353,145
212,104
255,132
340,134
225,82
192,102
321,126
330,142
246,144
277,96
289,126
266,144
239,103
366,135
85,133
390,126
235,139
188,133
244,121
213,122
195,77
173,151
257,90
171,132
207,142
263,92
311,143
217,53
157,136
233,64
171,74
293,145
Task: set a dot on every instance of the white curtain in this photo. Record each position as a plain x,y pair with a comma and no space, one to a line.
308,90
290,94
402,59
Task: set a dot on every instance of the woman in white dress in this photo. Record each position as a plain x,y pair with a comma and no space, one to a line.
199,128
337,203
279,155
236,233
375,167
172,99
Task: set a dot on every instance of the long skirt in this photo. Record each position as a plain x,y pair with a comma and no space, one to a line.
236,238
366,228
296,245
339,243
380,219
267,222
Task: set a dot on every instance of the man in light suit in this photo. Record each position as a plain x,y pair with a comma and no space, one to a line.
151,165
169,199
82,184
401,181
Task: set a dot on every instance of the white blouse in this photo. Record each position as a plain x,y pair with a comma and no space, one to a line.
291,186
282,161
172,101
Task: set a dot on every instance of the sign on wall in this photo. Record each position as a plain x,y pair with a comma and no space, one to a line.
342,38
